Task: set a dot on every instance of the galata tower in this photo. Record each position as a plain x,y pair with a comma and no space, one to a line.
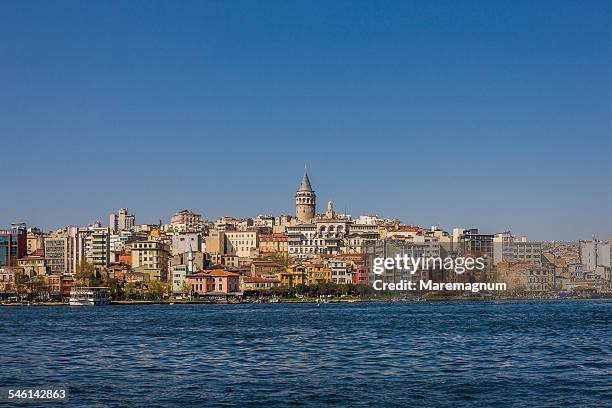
305,200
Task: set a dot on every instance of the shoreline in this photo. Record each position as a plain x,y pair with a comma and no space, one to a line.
314,301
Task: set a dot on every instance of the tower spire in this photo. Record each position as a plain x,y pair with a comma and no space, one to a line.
305,184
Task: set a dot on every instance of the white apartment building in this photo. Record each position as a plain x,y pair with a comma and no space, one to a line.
503,247
340,270
595,257
64,250
179,272
121,220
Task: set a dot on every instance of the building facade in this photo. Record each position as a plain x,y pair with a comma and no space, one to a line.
186,221
151,257
13,244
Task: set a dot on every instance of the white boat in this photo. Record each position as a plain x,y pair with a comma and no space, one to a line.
89,296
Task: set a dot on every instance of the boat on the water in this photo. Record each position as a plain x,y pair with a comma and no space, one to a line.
90,296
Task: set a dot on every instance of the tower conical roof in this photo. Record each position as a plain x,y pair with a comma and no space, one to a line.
305,184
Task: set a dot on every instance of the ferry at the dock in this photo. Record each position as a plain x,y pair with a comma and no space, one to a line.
89,296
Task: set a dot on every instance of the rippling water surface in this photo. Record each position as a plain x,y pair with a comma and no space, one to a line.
360,354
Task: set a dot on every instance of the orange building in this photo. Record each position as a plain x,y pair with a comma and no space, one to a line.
215,282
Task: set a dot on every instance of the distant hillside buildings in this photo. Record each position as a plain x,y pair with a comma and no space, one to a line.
196,257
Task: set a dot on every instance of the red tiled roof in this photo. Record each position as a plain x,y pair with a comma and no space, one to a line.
221,272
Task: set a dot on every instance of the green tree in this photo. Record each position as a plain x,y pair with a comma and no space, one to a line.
155,290
129,291
186,289
37,286
114,287
85,273
22,285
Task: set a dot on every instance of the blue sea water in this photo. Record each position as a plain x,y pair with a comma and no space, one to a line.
546,354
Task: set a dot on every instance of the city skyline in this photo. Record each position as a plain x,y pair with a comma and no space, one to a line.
494,116
305,185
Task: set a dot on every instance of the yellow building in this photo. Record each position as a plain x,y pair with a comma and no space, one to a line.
305,274
292,277
151,257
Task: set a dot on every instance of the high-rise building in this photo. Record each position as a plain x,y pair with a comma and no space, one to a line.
121,220
13,244
186,221
96,244
64,250
305,200
595,258
503,247
55,254
151,257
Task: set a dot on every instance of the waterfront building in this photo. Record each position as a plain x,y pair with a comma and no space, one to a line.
33,265
8,280
179,273
595,257
292,277
214,282
305,274
13,244
59,286
524,277
539,278
258,283
121,221
151,257
340,270
344,267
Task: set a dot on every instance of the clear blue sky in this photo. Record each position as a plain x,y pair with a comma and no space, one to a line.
492,114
